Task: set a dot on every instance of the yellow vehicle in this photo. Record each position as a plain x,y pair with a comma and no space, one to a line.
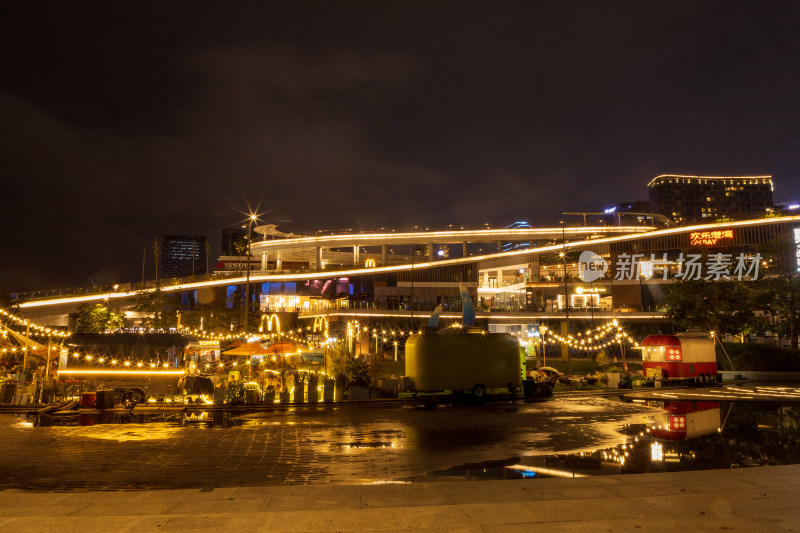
461,360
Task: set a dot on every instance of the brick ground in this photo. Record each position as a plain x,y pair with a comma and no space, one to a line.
354,444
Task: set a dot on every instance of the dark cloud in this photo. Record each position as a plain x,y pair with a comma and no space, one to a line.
124,123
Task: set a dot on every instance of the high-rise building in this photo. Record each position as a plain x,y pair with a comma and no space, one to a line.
706,198
229,238
183,255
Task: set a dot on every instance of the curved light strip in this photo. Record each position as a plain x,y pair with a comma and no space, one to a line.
424,237
680,176
417,266
123,372
518,316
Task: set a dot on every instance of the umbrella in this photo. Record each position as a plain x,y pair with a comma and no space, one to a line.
282,347
41,353
235,344
250,348
25,341
549,370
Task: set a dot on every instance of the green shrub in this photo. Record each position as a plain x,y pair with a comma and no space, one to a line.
758,357
234,393
359,373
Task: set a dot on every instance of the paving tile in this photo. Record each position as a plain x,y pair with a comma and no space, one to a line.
404,496
199,522
40,509
650,489
76,523
332,500
499,513
278,478
226,505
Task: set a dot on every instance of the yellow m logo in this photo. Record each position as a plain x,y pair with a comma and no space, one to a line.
269,320
321,323
370,263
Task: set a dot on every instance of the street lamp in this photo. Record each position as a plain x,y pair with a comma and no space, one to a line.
565,328
252,219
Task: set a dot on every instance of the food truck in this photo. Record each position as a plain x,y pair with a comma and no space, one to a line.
682,420
459,361
462,358
677,359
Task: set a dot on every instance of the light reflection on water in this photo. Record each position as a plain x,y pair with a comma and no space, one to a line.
561,437
131,432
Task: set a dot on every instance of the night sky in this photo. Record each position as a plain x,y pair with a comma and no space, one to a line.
125,121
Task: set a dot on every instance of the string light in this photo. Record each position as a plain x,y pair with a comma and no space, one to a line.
207,335
35,329
594,338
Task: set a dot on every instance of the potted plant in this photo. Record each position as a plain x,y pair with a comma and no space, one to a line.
613,376
298,393
338,363
313,381
251,393
285,397
234,392
269,394
359,380
328,389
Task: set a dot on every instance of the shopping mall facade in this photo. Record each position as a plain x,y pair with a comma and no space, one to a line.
517,276
535,272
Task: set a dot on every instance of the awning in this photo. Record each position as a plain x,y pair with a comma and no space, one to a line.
25,341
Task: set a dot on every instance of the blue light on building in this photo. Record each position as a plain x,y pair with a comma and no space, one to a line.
520,224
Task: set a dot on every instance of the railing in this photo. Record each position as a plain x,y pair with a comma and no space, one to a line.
137,286
456,308
151,284
122,287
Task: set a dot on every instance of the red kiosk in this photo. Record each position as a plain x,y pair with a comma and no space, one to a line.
679,358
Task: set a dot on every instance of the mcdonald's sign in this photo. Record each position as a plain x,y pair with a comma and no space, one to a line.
321,324
370,263
269,319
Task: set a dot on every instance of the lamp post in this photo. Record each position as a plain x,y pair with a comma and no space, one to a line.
411,274
565,325
247,283
563,256
542,331
46,371
25,348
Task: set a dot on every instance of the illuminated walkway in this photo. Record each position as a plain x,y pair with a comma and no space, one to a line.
587,238
311,249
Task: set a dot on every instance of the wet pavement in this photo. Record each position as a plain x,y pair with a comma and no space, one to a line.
350,444
750,392
364,444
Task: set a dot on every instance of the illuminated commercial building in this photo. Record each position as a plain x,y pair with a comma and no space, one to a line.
687,199
183,255
378,276
229,240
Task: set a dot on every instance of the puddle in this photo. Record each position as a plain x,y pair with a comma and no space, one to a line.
559,438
